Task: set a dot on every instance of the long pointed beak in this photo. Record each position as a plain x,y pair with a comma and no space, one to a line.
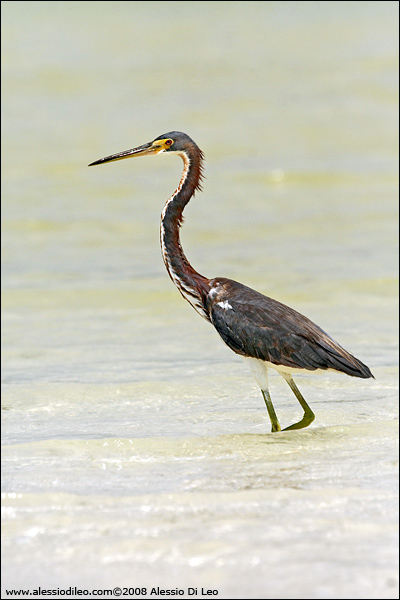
139,151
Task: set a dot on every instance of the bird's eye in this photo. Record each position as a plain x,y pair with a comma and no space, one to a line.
169,142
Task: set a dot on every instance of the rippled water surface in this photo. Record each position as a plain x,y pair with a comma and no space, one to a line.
136,446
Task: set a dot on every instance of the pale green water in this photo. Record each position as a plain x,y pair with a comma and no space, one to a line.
135,445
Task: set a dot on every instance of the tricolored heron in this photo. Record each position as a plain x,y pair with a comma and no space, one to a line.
263,331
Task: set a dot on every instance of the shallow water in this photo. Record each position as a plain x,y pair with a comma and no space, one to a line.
136,450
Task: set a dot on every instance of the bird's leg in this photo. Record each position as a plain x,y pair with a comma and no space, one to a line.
271,411
260,372
308,416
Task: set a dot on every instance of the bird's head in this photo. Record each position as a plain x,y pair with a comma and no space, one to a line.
174,141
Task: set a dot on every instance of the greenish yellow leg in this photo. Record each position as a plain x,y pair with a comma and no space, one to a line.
271,411
308,416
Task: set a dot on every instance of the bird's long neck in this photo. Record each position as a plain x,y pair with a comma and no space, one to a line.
193,286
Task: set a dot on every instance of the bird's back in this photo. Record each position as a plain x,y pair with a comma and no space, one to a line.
257,326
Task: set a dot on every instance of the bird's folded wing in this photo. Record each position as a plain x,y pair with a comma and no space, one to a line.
270,331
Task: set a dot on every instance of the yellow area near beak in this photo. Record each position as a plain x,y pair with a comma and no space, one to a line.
161,145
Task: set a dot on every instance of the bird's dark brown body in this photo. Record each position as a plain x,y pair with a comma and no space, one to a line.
257,326
260,329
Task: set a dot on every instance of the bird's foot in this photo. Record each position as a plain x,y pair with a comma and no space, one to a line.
307,419
275,427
